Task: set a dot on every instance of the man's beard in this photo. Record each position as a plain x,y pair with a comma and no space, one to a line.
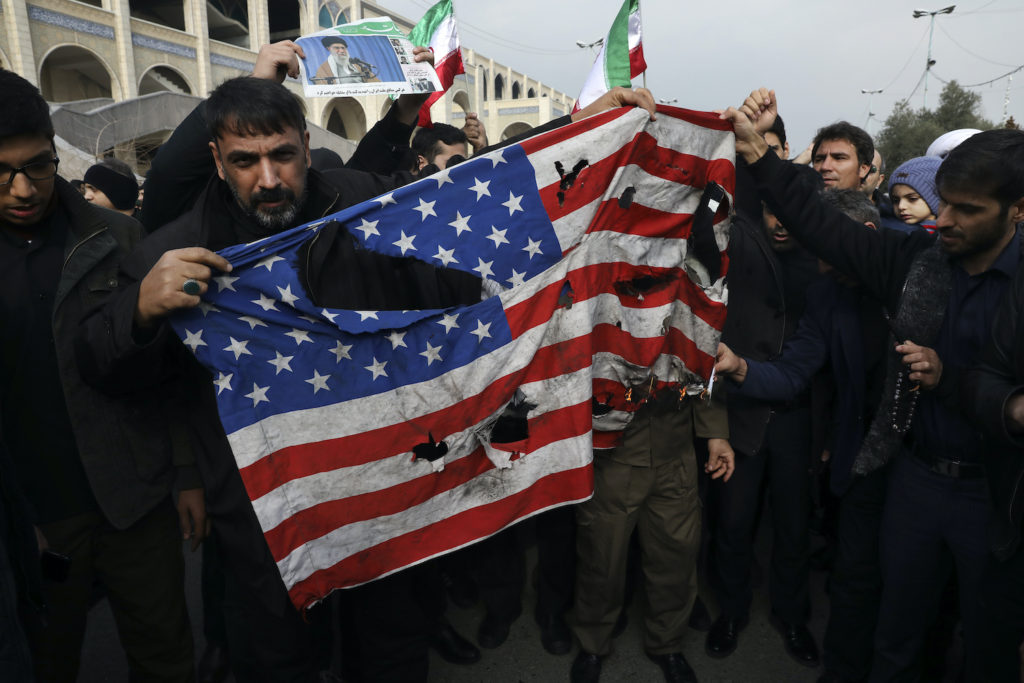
274,219
342,62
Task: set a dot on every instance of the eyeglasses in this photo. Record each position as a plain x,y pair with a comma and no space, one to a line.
37,170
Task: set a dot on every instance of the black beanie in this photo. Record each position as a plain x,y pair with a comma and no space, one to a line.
121,190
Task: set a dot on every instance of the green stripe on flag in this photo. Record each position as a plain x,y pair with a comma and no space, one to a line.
423,31
616,48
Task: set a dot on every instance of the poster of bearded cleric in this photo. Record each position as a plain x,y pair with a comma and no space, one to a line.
369,57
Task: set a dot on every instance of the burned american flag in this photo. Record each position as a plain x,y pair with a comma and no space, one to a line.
369,441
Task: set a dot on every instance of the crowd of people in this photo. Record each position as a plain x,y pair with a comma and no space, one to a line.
869,386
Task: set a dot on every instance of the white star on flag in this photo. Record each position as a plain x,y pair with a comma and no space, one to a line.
513,203
517,278
484,268
194,340
377,368
447,321
265,302
405,243
498,158
498,236
223,382
446,256
269,262
207,308
253,322
330,316
238,348
368,228
286,295
482,330
367,315
432,353
425,209
532,247
461,224
386,199
397,339
225,282
299,336
481,188
258,395
341,351
442,177
281,363
319,381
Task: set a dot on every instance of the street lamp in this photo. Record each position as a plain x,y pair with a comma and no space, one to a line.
918,13
596,44
870,94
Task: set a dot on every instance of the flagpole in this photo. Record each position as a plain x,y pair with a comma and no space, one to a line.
640,10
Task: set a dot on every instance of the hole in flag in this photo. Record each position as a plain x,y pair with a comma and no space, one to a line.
598,408
431,450
565,297
644,284
512,425
568,179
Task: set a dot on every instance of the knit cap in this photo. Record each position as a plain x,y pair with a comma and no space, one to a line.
919,173
121,190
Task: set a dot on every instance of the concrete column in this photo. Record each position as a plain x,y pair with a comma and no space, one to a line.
309,16
19,40
355,10
125,53
197,24
259,24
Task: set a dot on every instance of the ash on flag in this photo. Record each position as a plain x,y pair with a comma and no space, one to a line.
369,441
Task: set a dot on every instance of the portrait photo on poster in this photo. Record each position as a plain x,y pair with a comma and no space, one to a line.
368,57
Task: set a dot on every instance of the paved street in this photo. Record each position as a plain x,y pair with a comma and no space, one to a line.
758,659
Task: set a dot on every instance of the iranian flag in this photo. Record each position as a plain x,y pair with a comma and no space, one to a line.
437,31
621,58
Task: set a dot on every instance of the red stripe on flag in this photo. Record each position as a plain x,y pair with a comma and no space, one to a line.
456,531
637,64
311,523
449,66
606,440
706,119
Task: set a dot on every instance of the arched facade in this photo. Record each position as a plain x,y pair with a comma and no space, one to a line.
72,72
344,116
499,87
514,129
170,13
160,77
515,90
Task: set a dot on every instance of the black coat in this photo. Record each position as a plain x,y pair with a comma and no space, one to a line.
999,377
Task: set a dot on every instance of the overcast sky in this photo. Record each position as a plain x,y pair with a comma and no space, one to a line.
817,54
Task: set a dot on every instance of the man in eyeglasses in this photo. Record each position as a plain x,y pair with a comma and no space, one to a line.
97,472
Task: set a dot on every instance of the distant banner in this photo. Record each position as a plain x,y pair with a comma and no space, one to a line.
369,57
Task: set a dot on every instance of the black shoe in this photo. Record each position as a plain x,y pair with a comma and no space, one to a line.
493,632
452,647
700,619
675,667
214,664
799,642
721,640
586,668
554,633
621,623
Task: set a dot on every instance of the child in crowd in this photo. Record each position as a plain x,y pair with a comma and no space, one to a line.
915,200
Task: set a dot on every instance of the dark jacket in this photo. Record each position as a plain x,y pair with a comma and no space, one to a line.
830,333
759,317
336,273
998,377
125,443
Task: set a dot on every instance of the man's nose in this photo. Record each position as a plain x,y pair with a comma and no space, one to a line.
22,187
268,178
945,216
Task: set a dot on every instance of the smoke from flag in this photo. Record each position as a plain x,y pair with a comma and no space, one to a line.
621,58
369,441
438,31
